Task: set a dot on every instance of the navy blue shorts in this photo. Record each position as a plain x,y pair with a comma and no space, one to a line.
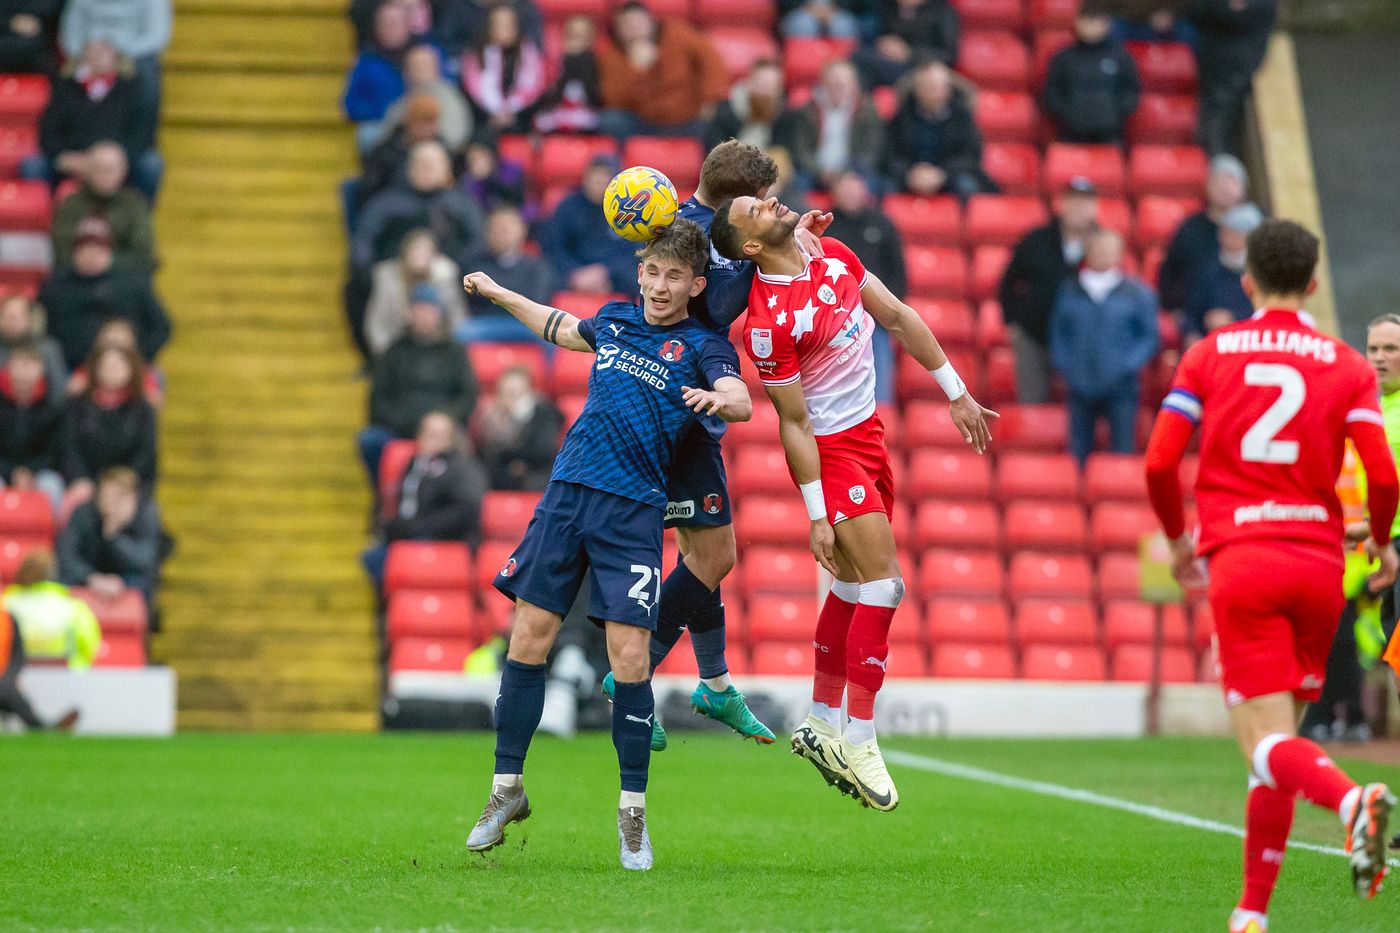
576,532
698,494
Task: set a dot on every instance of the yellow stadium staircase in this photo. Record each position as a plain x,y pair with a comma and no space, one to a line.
267,615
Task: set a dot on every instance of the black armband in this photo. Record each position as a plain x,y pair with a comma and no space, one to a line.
551,325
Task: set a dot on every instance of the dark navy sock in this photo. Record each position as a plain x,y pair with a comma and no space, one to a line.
707,636
633,709
518,708
681,595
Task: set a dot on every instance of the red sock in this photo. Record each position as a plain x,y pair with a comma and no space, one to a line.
829,646
866,653
1299,766
1268,816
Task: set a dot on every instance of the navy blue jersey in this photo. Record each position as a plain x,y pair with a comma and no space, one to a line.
727,281
626,437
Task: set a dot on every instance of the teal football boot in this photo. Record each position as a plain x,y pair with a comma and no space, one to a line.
728,706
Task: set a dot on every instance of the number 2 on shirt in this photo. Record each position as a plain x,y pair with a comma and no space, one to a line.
1258,444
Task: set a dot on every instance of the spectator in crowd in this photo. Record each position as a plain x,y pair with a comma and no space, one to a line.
422,73
933,145
1157,21
138,29
1216,297
1092,86
386,165
1103,331
112,543
76,638
756,110
458,23
658,77
788,189
439,497
54,624
910,31
104,193
96,99
109,425
1040,263
31,413
489,179
118,332
587,254
1232,37
1197,241
505,73
22,324
837,130
506,261
429,200
423,371
819,19
572,102
376,79
79,298
26,36
397,281
519,433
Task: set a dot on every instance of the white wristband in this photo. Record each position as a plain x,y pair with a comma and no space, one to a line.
949,379
816,502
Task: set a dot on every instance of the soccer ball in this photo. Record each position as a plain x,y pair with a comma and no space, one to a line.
640,202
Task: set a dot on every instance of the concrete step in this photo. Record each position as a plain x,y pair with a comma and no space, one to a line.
332,11
268,720
255,99
244,150
232,39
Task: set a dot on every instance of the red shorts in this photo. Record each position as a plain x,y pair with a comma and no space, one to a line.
1276,605
856,473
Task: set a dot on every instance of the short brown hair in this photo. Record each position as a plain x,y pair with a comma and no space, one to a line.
734,169
683,241
123,476
36,567
1281,257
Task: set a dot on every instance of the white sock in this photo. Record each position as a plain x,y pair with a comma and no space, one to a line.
505,780
718,684
831,715
1240,917
1349,803
860,731
632,798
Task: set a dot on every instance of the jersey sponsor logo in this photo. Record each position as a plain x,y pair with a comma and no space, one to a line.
611,356
509,569
1271,511
827,294
857,494
848,334
1277,341
672,351
713,504
607,355
761,339
683,509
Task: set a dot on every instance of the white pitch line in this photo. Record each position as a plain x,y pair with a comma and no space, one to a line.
1046,789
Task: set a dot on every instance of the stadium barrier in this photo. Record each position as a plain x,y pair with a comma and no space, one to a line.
112,701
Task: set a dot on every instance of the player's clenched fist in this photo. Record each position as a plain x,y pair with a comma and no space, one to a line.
479,283
971,421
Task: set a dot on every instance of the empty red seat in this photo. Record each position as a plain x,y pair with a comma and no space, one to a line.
17,143
121,650
1050,575
1045,526
25,513
951,321
947,474
1115,476
1134,663
1116,215
1032,427
906,659
761,470
24,206
23,98
1202,623
804,58
771,520
677,157
988,265
505,515
991,326
430,614
1130,621
1165,67
1056,622
1053,14
489,360
990,14
1001,220
1119,576
925,221
959,573
429,654
1103,165
781,618
491,557
1015,167
913,381
928,424
427,565
762,428
1166,119
570,372
936,272
778,571
1121,526
1176,171
967,621
991,662
999,378
996,60
124,613
562,158
741,47
957,525
392,466
681,658
1158,218
1007,116
784,659
1054,662
1036,475
718,14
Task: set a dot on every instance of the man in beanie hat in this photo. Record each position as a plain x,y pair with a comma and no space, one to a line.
1216,297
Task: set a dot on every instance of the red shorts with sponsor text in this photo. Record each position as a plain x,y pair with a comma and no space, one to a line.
856,473
1277,604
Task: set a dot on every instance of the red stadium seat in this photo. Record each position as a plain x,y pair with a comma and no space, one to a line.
804,59
928,424
958,573
988,265
781,618
770,520
562,158
777,571
1134,663
1001,220
490,558
1045,526
13,551
520,150
1119,576
1056,622
1165,67
429,654
124,613
913,381
968,621
991,326
1129,621
23,98
906,659
1164,119
1103,165
489,360
990,14
676,157
957,525
716,14
1202,623
951,321
1032,427
1053,14
1007,116
936,272
1175,171
1159,217
949,475
925,221
24,206
1115,214
1120,526
427,565
1152,263
25,513
1046,44
121,650
1023,475
1047,662
989,662
580,304
741,47
995,60
1015,167
505,515
1050,575
570,373
1115,476
784,659
16,144
999,380
762,428
681,658
571,406
760,470
430,614
393,463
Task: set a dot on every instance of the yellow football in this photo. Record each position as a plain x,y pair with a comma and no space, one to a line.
640,202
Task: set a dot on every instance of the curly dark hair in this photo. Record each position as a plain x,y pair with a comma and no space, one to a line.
1281,257
734,169
727,239
683,241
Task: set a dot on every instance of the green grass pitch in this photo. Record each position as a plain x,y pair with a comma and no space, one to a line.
366,833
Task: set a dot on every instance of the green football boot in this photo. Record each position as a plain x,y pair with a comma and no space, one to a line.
728,706
658,734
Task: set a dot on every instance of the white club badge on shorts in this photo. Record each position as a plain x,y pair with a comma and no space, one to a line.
762,341
827,294
857,494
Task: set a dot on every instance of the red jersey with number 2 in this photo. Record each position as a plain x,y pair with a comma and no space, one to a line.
1273,397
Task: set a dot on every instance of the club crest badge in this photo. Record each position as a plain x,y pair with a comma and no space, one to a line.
761,339
827,294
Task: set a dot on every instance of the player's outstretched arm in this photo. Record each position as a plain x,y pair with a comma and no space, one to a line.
800,448
558,327
914,336
729,399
